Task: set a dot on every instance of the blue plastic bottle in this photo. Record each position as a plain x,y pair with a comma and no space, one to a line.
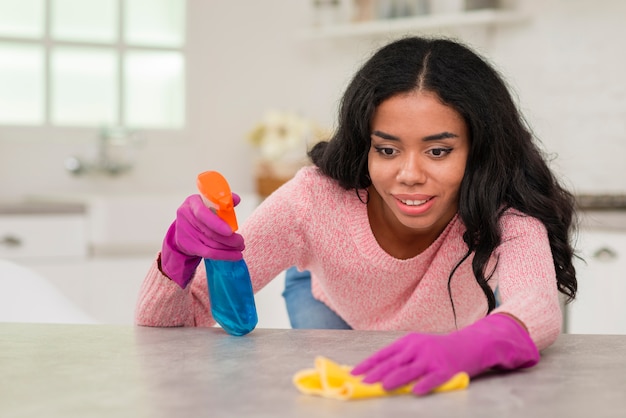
230,288
230,292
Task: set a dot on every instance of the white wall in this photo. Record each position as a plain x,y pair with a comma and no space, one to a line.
566,63
568,67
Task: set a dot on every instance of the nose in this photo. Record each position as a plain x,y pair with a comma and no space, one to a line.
411,171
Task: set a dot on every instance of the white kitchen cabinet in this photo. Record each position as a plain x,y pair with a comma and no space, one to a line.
53,241
600,305
37,236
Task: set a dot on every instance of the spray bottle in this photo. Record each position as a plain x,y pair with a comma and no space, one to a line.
230,288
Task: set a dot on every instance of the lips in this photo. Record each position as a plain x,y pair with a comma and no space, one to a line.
414,204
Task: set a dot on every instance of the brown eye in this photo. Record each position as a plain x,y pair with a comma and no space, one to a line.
440,152
385,151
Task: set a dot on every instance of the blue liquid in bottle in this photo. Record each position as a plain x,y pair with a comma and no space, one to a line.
231,295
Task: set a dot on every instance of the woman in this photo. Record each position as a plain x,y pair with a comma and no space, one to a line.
429,197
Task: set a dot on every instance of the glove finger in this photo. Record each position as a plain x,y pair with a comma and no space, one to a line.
196,243
372,362
210,250
197,214
403,375
381,355
228,255
236,199
190,229
210,238
431,381
390,366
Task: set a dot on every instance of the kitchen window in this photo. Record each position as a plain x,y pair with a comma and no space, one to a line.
92,63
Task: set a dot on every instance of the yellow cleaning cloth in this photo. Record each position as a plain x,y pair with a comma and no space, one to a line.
331,380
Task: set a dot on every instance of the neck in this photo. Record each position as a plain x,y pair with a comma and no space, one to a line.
396,239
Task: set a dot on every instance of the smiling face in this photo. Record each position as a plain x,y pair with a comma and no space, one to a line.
416,163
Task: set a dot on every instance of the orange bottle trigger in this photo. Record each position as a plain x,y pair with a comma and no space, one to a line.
216,191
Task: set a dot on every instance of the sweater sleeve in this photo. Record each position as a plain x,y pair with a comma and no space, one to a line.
162,303
273,241
527,278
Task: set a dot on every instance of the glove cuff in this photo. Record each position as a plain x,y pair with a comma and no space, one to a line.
501,342
174,264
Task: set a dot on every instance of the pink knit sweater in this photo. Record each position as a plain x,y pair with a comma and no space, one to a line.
314,224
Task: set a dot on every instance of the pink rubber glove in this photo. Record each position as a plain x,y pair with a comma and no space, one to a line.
496,341
197,233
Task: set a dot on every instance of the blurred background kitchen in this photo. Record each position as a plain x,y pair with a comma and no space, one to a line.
110,108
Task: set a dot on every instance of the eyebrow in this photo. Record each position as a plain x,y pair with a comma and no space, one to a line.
434,137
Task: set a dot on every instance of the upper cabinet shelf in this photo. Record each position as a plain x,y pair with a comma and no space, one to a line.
424,23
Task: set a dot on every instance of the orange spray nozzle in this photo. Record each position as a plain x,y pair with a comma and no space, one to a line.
216,192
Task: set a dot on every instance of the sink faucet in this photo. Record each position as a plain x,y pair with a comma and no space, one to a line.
112,144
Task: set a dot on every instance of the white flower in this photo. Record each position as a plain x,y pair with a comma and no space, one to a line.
283,134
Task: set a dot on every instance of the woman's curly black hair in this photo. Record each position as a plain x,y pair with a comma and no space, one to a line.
505,168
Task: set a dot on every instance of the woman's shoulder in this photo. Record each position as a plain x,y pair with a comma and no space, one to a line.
314,189
514,222
313,179
312,173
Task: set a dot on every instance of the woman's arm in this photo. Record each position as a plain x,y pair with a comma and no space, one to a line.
527,278
163,303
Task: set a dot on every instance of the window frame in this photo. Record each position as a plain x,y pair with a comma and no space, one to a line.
34,132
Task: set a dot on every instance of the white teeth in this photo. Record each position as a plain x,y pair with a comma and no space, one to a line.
413,202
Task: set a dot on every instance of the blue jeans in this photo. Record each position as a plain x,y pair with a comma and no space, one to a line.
307,312
303,309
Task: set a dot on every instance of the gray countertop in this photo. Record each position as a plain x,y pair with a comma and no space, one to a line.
126,371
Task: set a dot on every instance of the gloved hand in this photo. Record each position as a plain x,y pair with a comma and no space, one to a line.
496,341
197,233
